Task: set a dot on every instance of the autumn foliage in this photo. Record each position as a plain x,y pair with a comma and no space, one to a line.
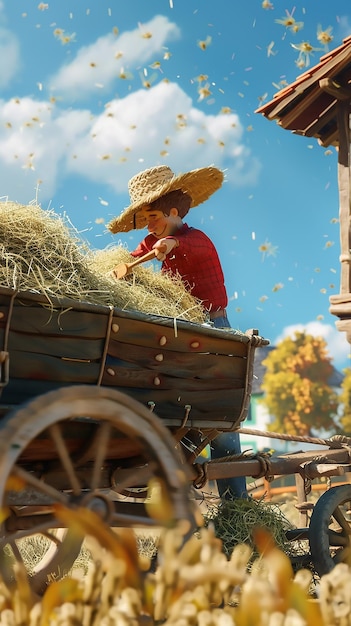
297,393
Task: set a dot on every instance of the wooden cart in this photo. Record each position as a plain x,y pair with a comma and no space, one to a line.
98,403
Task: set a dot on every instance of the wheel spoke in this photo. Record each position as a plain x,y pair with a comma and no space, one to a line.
330,530
337,539
52,537
15,550
41,529
65,458
101,442
108,429
44,488
139,476
341,520
130,515
342,556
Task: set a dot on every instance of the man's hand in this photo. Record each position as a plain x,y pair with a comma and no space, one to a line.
164,246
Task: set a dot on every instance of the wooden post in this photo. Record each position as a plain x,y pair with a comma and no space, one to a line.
343,120
301,501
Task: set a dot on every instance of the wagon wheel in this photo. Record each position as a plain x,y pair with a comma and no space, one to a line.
330,529
51,465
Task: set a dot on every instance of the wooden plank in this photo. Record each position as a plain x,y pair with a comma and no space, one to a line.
130,376
177,338
161,360
207,408
128,328
45,450
205,403
19,390
191,372
179,364
309,108
319,124
76,347
37,320
45,367
334,88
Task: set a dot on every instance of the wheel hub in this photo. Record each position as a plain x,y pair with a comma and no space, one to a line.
100,504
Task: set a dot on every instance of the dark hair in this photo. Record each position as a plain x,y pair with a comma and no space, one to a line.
177,199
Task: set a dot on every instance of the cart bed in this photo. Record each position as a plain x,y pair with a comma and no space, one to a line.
176,367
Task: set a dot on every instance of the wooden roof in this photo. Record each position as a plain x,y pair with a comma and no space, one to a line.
308,106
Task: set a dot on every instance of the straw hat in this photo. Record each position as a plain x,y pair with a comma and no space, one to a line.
155,182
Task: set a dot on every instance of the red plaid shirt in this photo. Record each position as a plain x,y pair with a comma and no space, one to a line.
196,260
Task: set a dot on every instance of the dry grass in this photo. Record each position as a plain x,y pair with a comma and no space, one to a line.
235,519
155,292
42,252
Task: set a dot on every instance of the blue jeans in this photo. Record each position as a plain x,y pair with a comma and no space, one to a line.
226,444
223,445
221,322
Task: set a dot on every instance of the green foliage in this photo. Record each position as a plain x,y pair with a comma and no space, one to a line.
296,386
345,399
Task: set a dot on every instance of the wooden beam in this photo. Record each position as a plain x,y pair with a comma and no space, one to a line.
329,138
306,111
281,465
334,89
343,116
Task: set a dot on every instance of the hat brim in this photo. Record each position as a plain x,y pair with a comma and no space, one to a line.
200,184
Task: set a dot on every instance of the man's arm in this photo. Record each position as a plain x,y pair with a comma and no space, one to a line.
164,246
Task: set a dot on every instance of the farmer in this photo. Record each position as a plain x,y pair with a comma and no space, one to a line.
159,202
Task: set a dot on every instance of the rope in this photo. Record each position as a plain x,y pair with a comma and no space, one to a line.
201,478
336,441
262,457
339,440
266,466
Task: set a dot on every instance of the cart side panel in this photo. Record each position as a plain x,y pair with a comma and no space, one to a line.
177,368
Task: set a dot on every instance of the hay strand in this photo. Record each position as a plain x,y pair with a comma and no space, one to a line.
42,252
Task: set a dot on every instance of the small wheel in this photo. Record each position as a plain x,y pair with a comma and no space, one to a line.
330,529
83,446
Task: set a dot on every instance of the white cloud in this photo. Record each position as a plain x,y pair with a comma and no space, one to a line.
344,25
10,55
40,141
34,139
338,346
98,65
138,128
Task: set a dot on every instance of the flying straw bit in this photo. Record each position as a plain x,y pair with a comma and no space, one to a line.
290,23
203,44
324,36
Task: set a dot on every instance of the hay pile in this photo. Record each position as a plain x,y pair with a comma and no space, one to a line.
233,521
42,252
155,292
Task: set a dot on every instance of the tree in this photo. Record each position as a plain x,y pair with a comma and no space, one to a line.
296,386
345,400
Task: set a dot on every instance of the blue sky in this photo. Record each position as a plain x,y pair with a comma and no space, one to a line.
93,92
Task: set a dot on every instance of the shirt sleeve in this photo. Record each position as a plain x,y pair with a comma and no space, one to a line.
144,246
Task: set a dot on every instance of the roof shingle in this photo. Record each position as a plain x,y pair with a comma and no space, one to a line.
308,105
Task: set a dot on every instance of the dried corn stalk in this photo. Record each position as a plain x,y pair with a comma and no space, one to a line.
195,584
